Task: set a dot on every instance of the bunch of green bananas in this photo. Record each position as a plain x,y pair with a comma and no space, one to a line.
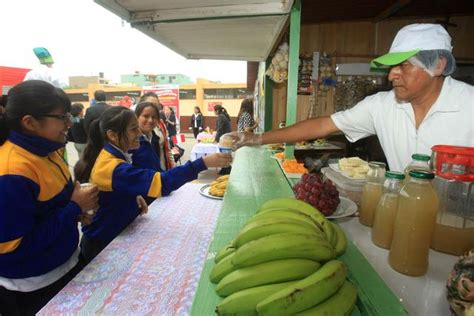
282,262
218,186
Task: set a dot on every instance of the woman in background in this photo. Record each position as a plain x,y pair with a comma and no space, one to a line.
223,122
170,120
197,121
245,121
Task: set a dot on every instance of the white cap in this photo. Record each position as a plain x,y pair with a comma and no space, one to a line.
422,37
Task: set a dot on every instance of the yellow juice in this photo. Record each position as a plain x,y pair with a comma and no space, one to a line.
371,194
452,240
414,225
384,220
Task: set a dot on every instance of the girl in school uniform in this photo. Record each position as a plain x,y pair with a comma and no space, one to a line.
122,186
39,205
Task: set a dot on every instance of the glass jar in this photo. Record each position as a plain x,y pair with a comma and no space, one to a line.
414,224
420,162
386,211
371,192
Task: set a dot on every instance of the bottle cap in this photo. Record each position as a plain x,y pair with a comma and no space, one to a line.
421,174
394,175
420,157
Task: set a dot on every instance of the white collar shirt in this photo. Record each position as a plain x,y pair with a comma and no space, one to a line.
45,73
450,121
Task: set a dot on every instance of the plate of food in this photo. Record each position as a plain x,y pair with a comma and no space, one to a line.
204,190
345,208
352,168
276,147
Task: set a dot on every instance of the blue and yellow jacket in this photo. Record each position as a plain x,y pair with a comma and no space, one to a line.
38,220
119,185
147,155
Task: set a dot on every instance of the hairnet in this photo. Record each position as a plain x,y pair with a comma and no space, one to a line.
428,59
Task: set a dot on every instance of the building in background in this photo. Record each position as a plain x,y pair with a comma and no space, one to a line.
142,80
81,82
205,94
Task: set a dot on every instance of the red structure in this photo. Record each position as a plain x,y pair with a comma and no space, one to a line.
10,76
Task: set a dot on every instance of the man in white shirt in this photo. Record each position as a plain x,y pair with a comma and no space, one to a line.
45,71
426,106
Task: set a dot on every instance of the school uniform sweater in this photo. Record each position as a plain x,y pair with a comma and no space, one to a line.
38,221
119,185
147,156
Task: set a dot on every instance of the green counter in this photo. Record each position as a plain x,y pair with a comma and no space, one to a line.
256,178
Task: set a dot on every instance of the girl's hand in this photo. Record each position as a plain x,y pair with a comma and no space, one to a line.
217,160
142,205
87,198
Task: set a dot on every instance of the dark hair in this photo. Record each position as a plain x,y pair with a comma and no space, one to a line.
32,97
221,110
143,105
245,106
116,119
148,94
197,108
76,109
99,96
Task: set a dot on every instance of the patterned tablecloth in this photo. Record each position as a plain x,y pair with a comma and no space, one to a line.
152,267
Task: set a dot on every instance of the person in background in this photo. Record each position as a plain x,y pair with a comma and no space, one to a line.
94,112
122,186
40,206
148,154
77,132
426,106
166,157
197,121
170,120
45,70
222,123
222,127
245,121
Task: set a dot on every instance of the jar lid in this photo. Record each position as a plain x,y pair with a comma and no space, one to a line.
420,157
376,164
421,174
394,175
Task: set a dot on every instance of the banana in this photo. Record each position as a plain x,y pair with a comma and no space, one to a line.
283,246
341,244
335,236
221,269
292,203
306,293
224,252
270,226
266,273
340,304
221,185
288,213
244,302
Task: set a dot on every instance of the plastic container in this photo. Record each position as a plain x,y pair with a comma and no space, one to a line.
371,193
454,183
352,189
414,224
386,211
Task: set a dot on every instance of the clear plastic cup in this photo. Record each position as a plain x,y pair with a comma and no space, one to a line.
85,187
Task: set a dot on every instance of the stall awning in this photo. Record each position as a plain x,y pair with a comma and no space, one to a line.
199,29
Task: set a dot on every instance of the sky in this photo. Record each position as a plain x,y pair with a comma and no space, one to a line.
84,39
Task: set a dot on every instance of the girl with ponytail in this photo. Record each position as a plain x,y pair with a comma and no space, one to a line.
123,186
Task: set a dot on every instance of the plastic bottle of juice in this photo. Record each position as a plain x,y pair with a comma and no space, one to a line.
420,162
386,211
414,224
371,192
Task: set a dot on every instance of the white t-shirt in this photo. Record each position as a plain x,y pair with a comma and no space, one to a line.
450,121
47,74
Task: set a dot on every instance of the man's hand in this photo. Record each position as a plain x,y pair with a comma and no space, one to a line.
244,139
